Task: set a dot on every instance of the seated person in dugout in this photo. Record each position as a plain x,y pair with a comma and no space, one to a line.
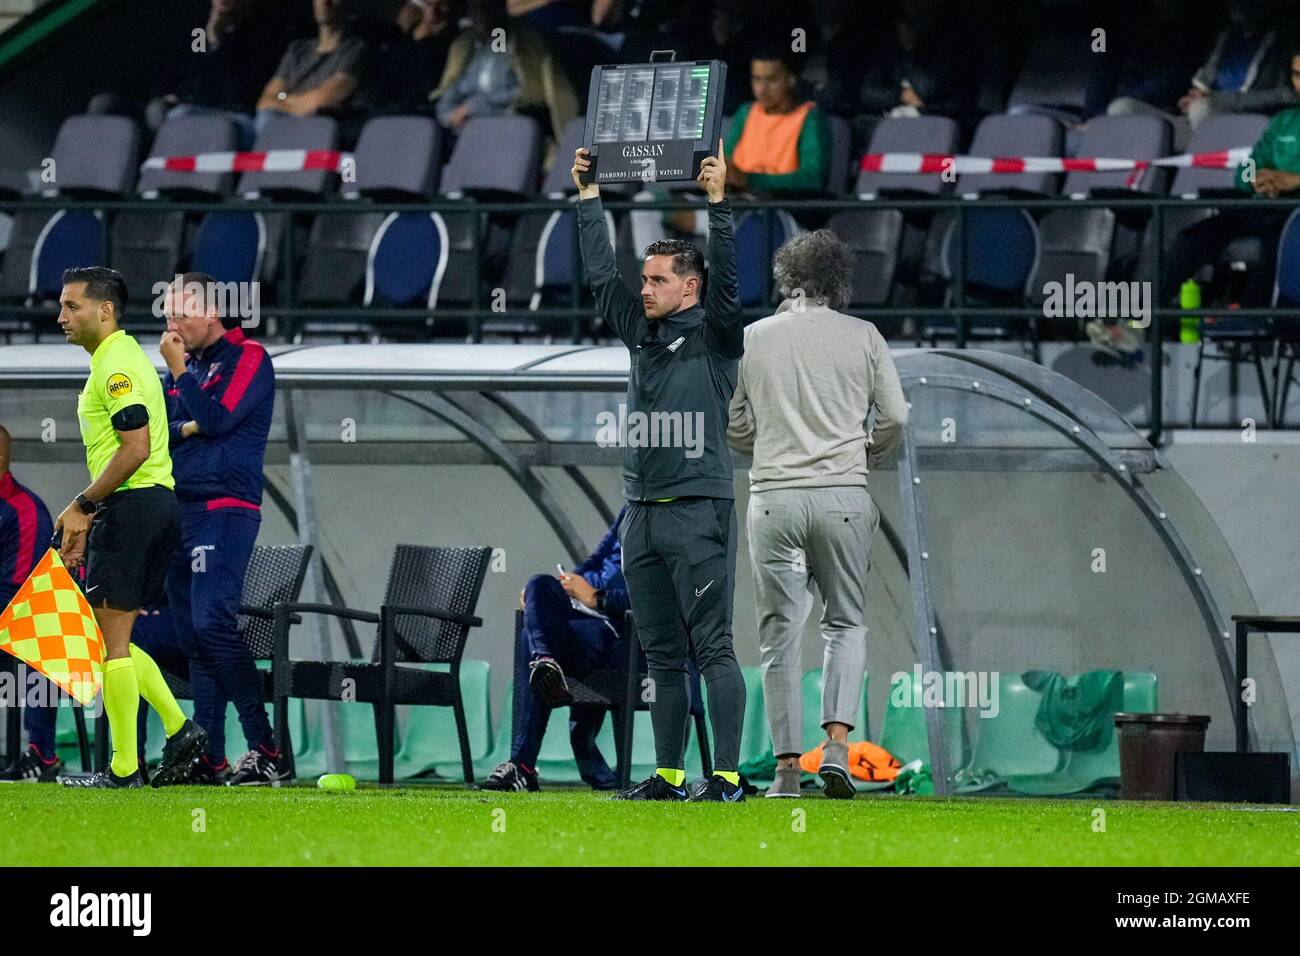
574,622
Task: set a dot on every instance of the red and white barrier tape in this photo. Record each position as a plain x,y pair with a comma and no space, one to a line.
958,165
270,161
299,160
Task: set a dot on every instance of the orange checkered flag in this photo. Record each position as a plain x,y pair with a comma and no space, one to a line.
50,627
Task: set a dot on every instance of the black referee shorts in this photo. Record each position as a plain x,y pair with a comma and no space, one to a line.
130,547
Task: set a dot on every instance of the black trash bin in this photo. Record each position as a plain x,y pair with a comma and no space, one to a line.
1147,744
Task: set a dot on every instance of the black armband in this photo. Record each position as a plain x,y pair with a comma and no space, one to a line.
131,418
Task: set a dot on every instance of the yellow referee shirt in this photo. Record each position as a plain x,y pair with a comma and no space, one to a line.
121,376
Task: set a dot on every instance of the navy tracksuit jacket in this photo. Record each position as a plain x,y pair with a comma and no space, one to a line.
228,390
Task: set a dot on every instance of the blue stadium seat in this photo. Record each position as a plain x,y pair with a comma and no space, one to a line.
758,236
1286,292
230,246
1001,250
69,239
408,258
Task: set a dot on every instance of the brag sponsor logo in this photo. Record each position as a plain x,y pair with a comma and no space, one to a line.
118,385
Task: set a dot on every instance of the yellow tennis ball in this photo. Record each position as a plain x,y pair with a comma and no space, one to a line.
337,782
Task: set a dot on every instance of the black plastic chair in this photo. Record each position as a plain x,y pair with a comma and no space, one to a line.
427,612
617,690
274,574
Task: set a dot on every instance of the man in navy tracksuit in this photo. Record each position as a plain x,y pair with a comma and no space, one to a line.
219,403
560,635
25,530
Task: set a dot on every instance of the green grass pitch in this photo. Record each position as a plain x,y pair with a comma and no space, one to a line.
212,826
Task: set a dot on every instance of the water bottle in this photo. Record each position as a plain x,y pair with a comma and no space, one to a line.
1189,326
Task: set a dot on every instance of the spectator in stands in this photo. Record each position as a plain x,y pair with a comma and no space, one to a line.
1161,48
1246,72
320,74
739,29
1272,171
835,65
25,530
922,65
778,143
417,64
547,15
572,622
241,47
479,81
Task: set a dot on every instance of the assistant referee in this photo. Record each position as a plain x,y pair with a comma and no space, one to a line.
126,525
678,534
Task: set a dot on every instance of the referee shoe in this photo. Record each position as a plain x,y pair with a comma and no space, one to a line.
655,788
179,753
106,780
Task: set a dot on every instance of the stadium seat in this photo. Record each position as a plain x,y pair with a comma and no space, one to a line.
840,145
872,236
338,247
293,132
883,240
397,158
1001,255
407,261
1005,135
230,246
1083,242
1121,137
758,235
69,239
1286,292
494,156
189,136
145,246
919,134
543,259
1220,131
94,157
429,740
425,618
1062,77
1081,771
1009,744
903,731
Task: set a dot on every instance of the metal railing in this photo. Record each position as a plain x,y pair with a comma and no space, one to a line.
287,313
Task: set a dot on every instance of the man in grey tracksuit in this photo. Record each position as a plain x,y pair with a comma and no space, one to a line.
807,385
679,533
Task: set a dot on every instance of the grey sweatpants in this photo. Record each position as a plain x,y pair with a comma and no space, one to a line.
807,543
